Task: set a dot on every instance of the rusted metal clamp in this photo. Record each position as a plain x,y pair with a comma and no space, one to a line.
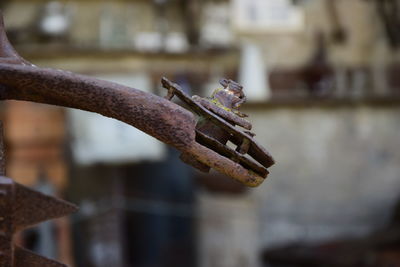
218,117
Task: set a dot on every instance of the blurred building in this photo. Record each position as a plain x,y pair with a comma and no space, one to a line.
322,81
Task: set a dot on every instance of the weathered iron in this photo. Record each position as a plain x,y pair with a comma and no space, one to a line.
158,117
216,126
203,143
20,208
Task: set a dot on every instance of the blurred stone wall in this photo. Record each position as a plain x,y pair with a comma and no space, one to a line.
337,176
118,24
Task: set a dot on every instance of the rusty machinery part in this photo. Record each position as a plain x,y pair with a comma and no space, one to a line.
216,126
20,208
154,115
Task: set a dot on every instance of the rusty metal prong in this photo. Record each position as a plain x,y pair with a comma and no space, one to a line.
20,208
178,91
26,212
7,52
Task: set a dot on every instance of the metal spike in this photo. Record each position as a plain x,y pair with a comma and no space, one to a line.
25,258
31,207
7,52
21,207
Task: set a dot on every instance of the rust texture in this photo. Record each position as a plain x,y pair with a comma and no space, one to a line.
249,162
20,208
201,134
157,116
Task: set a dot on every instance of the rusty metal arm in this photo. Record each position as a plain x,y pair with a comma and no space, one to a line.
158,117
152,114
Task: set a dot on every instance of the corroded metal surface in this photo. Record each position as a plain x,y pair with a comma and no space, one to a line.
152,114
159,117
229,116
203,142
20,208
214,130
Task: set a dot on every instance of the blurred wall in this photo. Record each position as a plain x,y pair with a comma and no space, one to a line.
337,176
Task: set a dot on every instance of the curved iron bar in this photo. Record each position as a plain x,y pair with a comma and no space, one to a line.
156,116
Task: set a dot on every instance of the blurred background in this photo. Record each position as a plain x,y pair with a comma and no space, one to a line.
323,84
